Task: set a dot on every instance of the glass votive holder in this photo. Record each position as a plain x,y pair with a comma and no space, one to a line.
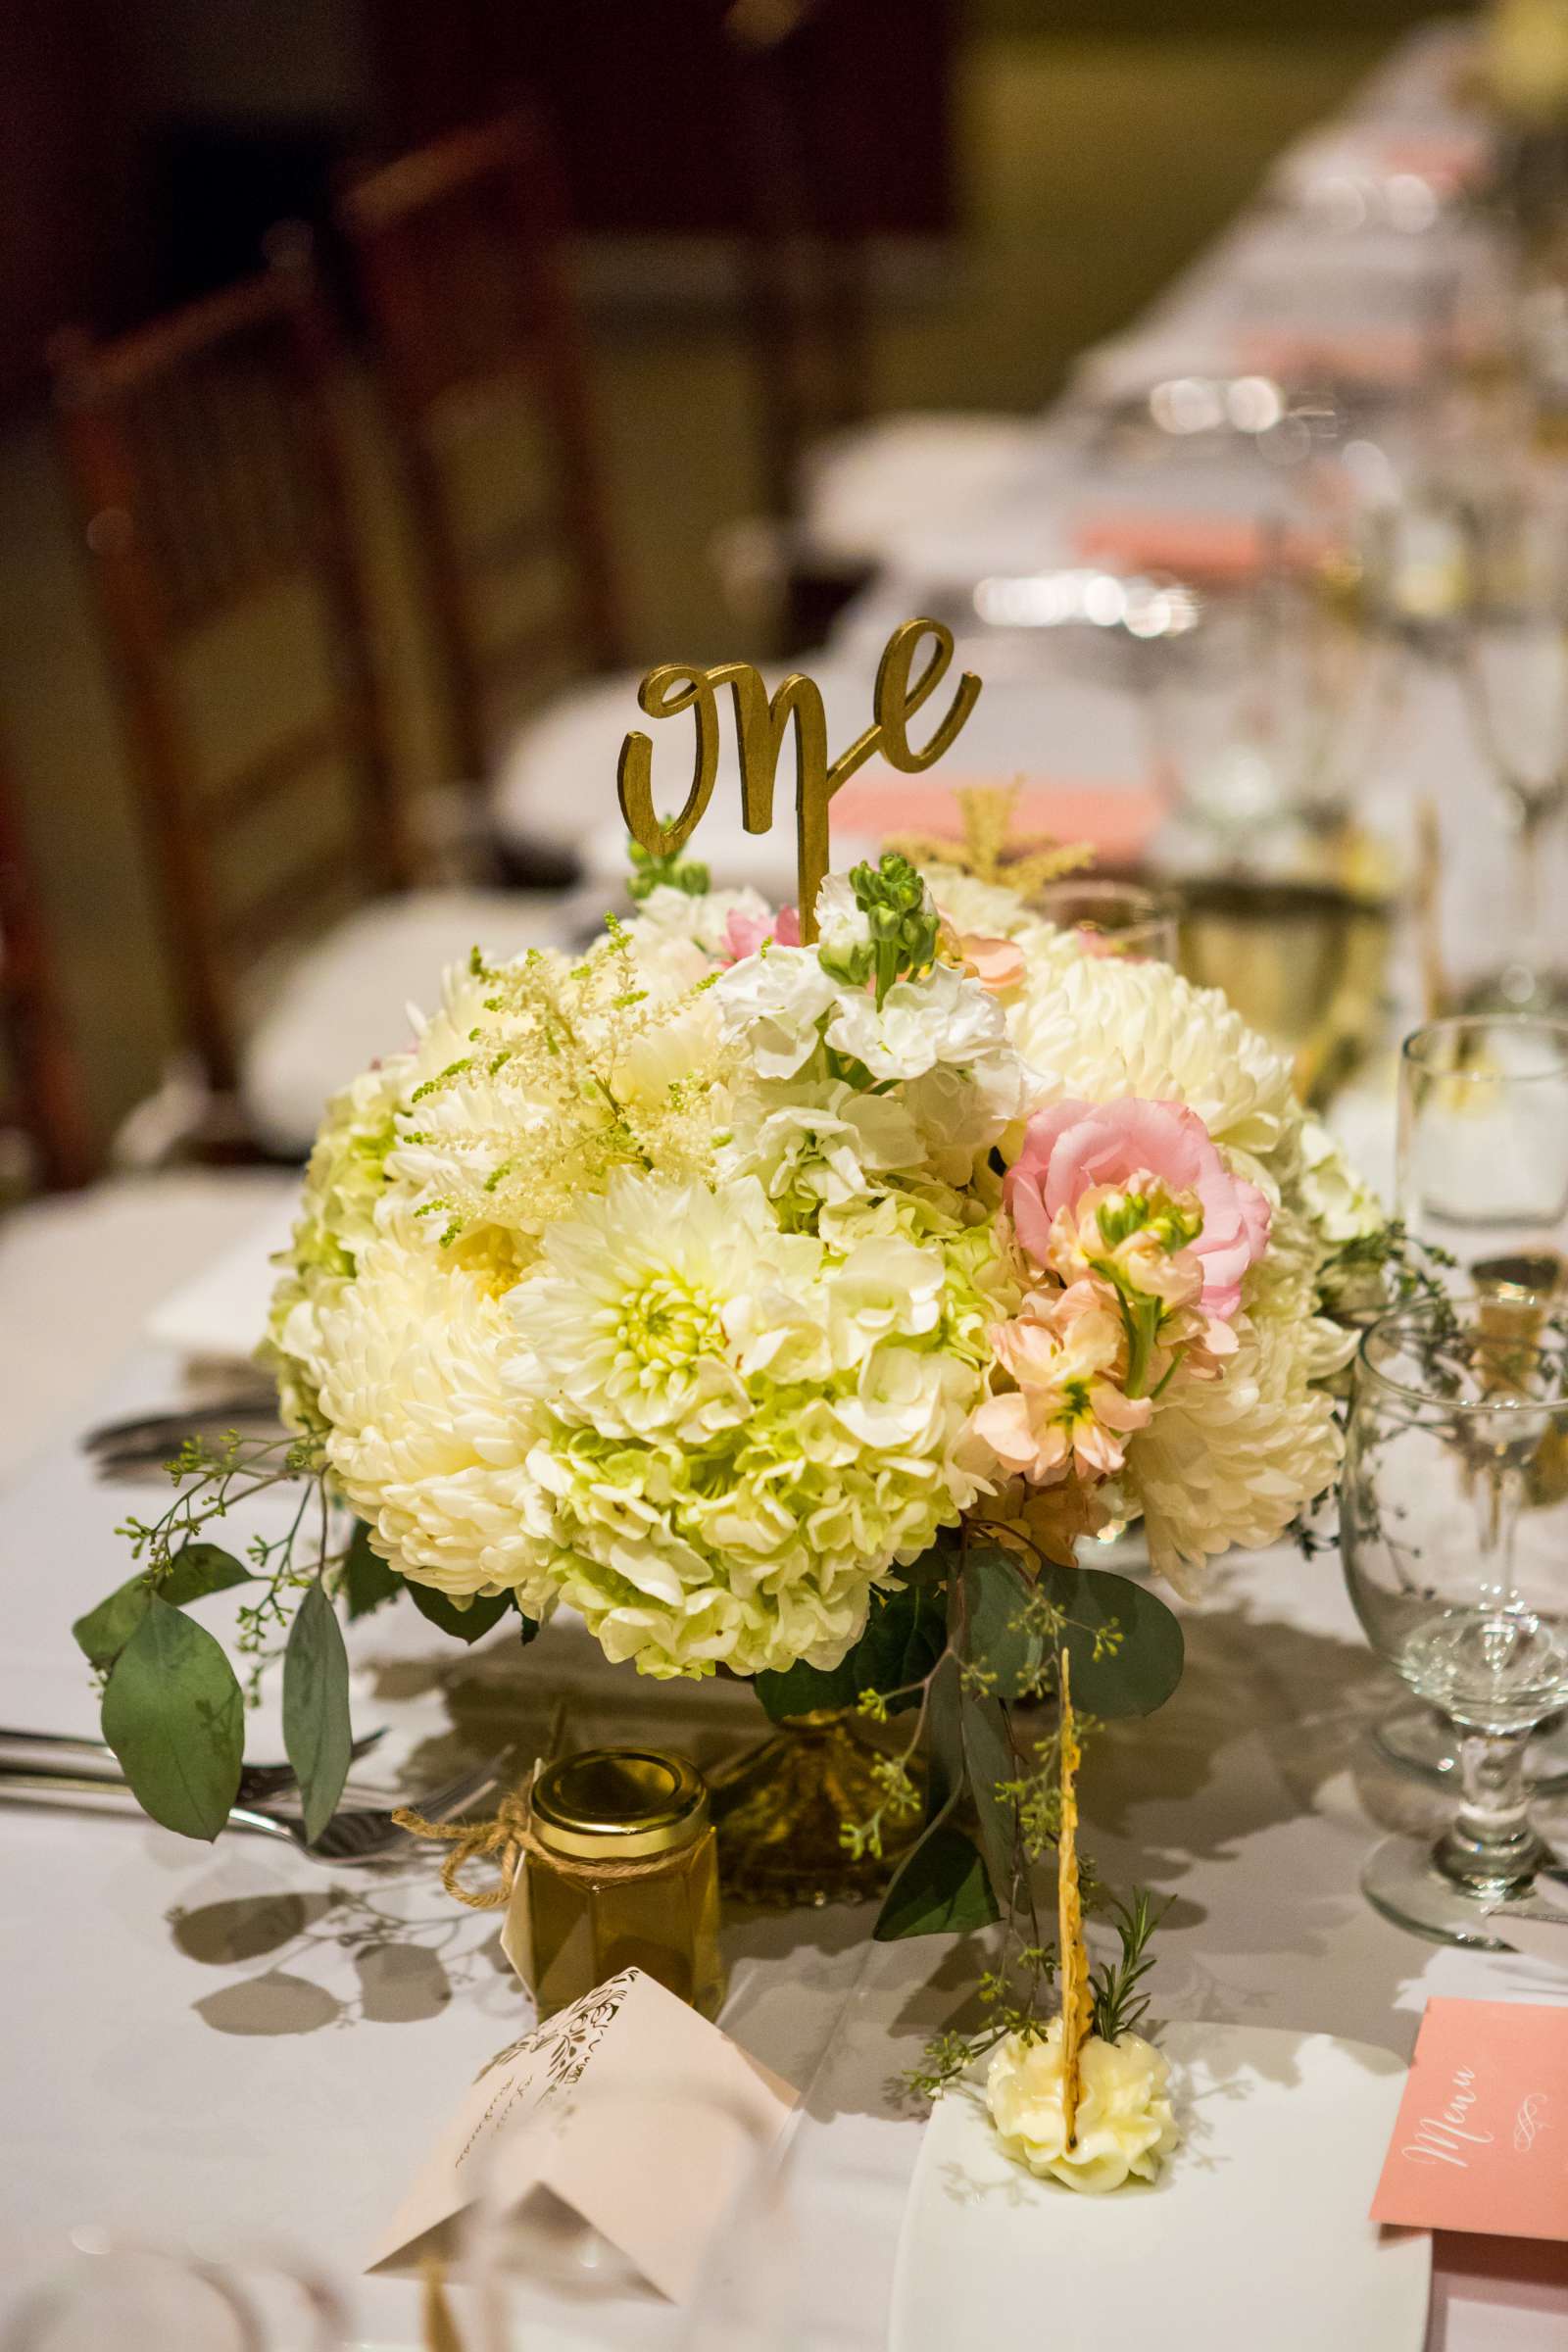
1111,918
621,1872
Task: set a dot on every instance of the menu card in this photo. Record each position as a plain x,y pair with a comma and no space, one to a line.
1482,2137
630,2108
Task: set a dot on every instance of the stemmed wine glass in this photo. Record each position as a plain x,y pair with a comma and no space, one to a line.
1514,636
1268,712
1454,1533
1481,1175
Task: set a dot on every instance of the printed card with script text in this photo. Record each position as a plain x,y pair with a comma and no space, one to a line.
1482,2138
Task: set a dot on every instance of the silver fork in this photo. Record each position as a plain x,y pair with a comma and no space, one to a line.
359,1834
37,1752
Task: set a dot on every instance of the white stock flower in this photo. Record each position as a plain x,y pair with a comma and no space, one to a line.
773,1001
1124,2127
842,925
939,1018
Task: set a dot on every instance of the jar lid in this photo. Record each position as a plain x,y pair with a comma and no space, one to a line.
617,1805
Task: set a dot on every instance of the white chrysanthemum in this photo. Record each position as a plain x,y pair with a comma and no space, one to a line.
344,1184
1234,1460
1102,1026
431,1421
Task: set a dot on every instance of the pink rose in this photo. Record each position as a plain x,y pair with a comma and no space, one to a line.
1074,1146
745,933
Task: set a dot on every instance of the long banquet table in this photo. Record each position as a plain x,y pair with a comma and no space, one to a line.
241,2046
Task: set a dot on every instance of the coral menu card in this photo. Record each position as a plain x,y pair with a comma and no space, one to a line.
626,2106
1480,2143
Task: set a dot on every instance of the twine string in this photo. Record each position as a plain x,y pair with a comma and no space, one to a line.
505,1839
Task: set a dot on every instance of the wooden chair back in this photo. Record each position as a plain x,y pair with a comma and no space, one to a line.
461,259
799,165
40,1088
206,457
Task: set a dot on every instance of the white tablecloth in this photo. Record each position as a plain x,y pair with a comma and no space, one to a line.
199,2041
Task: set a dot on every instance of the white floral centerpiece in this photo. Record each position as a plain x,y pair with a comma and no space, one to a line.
793,1310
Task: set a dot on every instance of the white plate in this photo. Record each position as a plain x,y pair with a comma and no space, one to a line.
1256,2236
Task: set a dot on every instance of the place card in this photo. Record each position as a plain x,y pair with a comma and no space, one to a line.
1482,2137
628,2107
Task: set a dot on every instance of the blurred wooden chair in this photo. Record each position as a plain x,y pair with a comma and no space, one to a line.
40,1086
207,456
462,258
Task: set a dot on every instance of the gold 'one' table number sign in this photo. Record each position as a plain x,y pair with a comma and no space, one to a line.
760,723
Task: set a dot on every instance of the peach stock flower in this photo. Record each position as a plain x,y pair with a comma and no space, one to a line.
1131,1144
1068,1411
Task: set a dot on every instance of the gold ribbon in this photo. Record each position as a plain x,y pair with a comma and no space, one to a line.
505,1839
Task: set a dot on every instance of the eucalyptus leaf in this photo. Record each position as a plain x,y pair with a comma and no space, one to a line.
801,1690
174,1715
904,1638
996,1593
195,1571
939,1887
484,1611
1144,1666
367,1581
315,1708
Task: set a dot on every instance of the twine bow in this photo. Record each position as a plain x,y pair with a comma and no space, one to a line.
505,1839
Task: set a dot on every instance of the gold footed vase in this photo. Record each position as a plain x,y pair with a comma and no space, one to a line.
778,1807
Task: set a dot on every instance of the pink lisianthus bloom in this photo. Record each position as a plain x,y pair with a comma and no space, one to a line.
1067,1413
745,933
1075,1146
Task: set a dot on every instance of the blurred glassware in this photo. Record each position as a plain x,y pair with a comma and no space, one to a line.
1453,1531
541,2272
1303,963
1110,917
145,2298
1514,639
1269,714
1481,1151
1481,1173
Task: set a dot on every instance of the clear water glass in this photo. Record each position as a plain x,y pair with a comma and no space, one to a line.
1514,638
1482,1156
1455,1535
1481,1175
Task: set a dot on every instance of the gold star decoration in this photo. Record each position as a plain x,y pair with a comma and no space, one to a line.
983,852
